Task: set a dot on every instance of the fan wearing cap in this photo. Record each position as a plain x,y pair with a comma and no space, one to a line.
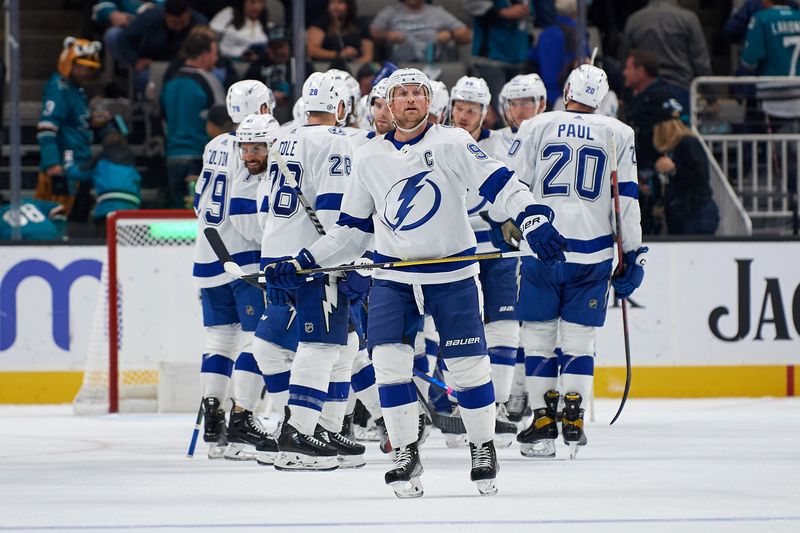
407,189
566,157
688,203
64,128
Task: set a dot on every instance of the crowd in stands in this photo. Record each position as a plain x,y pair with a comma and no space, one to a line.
211,44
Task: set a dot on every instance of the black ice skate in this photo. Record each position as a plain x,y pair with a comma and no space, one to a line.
348,427
214,427
303,452
245,434
350,453
504,429
539,440
572,423
484,467
404,477
422,430
516,407
385,445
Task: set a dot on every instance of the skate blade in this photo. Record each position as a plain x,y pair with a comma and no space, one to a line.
351,461
503,440
215,451
239,452
408,489
538,450
266,458
487,487
287,461
366,434
573,450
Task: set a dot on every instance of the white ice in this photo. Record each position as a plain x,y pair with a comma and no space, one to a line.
666,465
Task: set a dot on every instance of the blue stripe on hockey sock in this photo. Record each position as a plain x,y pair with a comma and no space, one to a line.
338,391
582,365
541,367
397,394
520,356
363,379
216,364
277,382
421,363
476,397
503,355
306,397
431,348
247,363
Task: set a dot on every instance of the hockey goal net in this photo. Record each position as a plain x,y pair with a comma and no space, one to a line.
148,313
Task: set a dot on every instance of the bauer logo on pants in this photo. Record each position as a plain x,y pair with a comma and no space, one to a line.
462,342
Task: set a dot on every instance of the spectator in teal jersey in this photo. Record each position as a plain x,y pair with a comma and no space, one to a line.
39,220
186,99
65,127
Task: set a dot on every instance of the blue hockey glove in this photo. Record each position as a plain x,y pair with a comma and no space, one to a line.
282,274
545,241
277,296
355,286
632,274
505,236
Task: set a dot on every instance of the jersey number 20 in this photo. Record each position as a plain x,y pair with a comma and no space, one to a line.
587,184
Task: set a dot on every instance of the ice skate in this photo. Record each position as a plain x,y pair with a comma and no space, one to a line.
214,428
385,445
455,440
404,477
350,453
572,423
422,430
516,407
348,427
504,429
245,433
484,467
303,452
539,440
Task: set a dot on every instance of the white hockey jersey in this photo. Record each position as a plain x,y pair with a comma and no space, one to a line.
320,159
496,144
217,206
565,158
412,197
357,136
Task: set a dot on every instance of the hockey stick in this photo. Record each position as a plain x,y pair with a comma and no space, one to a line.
433,381
447,424
620,270
291,182
195,432
224,257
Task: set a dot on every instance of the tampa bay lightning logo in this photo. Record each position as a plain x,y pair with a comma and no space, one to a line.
411,202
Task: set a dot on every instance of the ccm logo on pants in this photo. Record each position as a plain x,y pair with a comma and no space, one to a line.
462,342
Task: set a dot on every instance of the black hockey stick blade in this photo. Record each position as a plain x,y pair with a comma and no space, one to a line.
627,363
447,424
224,256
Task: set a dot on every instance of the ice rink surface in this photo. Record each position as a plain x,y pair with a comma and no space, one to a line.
667,465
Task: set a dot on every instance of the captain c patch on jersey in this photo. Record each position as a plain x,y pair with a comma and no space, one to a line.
411,202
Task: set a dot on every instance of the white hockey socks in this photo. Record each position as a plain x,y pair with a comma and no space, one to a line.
476,400
339,387
398,396
308,383
502,338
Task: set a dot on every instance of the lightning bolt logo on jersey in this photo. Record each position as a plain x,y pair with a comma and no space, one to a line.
416,203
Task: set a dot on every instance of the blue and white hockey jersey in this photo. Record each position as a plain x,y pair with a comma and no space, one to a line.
320,159
411,195
565,158
217,205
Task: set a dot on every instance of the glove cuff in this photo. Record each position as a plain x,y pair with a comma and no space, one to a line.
637,257
533,217
305,259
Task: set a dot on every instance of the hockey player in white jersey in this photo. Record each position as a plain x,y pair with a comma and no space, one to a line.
352,90
230,307
313,317
440,103
407,189
565,158
469,103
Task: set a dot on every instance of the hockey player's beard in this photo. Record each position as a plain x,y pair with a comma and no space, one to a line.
410,118
256,167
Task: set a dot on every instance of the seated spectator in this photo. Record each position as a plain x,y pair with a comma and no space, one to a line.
113,174
39,220
156,35
554,54
647,93
675,36
272,66
411,27
242,29
63,131
688,202
500,40
112,16
185,100
339,35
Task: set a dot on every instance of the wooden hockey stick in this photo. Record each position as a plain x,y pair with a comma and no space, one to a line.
619,271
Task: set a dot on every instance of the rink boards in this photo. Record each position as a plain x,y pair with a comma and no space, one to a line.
712,319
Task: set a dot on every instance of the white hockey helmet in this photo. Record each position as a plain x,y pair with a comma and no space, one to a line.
246,98
378,91
299,112
257,128
323,92
469,89
440,99
587,85
352,89
363,113
522,86
407,76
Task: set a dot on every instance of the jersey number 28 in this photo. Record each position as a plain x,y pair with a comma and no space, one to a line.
587,184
